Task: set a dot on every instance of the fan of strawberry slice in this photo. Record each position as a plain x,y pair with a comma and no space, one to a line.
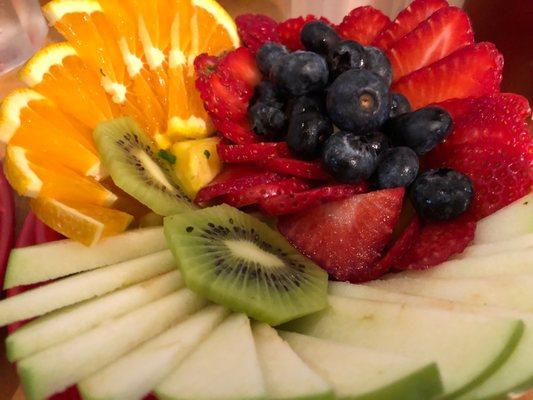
363,24
251,152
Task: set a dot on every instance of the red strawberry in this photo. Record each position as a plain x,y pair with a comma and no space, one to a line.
296,202
254,194
289,31
205,65
256,30
346,237
292,167
237,153
362,24
235,131
445,31
472,71
406,21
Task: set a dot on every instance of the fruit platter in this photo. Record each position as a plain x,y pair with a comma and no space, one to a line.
229,209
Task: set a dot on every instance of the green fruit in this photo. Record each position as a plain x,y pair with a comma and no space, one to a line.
237,261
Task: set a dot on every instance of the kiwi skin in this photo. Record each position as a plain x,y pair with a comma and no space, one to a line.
234,260
132,160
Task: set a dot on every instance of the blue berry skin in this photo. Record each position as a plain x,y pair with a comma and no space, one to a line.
307,133
349,158
379,142
267,121
346,55
399,105
268,55
319,37
378,63
358,101
398,168
441,194
304,104
421,130
266,92
300,73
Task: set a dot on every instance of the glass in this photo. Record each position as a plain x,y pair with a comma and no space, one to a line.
23,30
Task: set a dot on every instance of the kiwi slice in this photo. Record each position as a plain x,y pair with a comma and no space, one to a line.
237,261
132,160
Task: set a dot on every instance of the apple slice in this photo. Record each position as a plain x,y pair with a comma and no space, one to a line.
514,220
224,366
514,375
361,373
66,323
286,375
137,373
56,368
467,348
53,260
486,249
84,286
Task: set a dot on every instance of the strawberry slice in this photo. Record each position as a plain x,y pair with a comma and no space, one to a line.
235,131
302,169
472,71
254,194
407,20
256,30
234,179
363,24
297,202
7,222
238,153
346,237
289,30
445,31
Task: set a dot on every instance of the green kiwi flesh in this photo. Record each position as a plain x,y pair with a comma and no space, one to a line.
235,260
131,158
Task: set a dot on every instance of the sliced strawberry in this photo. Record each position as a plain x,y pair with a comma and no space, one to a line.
346,237
238,153
445,31
292,167
407,20
256,30
238,68
205,65
472,71
363,24
234,179
235,131
297,202
254,194
289,30
7,222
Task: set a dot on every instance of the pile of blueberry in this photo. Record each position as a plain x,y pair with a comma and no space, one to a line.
334,102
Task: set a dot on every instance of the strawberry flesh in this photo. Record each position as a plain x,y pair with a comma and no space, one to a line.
256,30
291,167
235,131
363,24
289,31
252,152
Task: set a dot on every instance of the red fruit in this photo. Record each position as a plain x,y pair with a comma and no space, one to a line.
238,153
440,35
297,202
346,237
472,71
292,167
205,65
254,194
435,243
239,66
363,24
407,20
235,131
7,222
234,179
256,30
289,31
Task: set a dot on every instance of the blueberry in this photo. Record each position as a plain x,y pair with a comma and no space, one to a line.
267,92
399,105
358,101
300,73
349,158
267,120
319,37
379,142
441,194
268,54
346,55
422,130
378,63
398,168
303,104
307,132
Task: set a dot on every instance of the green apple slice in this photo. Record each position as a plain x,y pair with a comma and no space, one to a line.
467,348
83,286
58,367
515,374
66,323
482,250
514,220
286,376
137,373
224,366
361,373
54,260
